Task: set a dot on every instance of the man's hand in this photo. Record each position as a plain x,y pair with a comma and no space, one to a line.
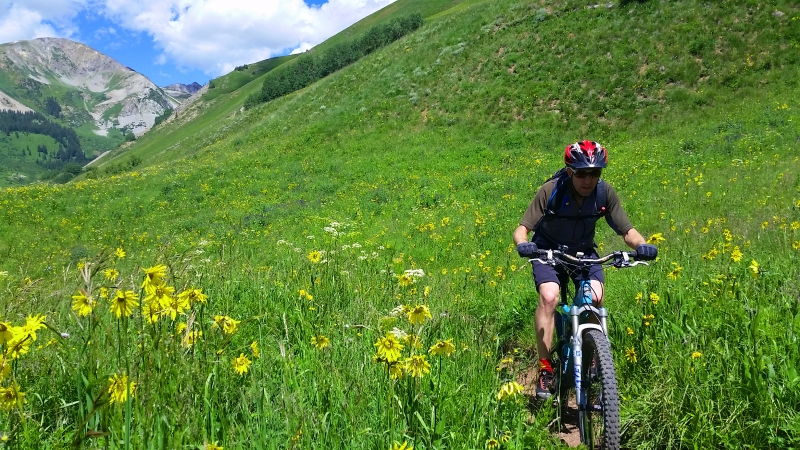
645,252
527,249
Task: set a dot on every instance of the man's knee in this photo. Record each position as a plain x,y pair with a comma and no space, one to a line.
548,295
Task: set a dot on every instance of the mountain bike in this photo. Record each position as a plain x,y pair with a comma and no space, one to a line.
582,355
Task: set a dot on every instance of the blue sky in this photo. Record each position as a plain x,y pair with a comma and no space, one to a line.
183,41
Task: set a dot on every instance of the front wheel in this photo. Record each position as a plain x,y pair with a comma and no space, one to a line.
598,420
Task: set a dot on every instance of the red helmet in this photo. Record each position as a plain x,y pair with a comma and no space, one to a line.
585,155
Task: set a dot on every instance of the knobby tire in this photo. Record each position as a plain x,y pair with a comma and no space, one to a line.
600,428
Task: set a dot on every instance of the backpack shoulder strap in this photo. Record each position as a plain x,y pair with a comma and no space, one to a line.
602,197
556,200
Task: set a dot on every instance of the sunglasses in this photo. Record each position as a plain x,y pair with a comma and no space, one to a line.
587,173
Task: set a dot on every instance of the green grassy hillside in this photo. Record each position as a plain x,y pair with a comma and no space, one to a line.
311,220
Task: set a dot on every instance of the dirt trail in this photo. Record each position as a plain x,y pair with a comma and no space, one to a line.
569,433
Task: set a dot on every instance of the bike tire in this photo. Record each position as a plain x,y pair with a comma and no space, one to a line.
599,422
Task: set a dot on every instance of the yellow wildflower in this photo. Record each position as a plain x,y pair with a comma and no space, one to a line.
123,303
154,277
656,239
119,388
82,304
319,341
227,324
404,446
654,298
389,347
241,364
510,391
736,254
442,348
111,274
315,256
417,366
120,253
419,314
630,354
696,355
492,444
254,348
11,397
754,268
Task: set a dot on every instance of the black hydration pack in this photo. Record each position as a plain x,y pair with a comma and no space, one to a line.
556,200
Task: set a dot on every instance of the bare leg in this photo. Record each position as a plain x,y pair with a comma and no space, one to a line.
543,319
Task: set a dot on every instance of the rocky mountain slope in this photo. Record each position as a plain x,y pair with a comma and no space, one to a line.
181,91
87,86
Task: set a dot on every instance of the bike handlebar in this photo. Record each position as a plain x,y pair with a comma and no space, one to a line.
620,258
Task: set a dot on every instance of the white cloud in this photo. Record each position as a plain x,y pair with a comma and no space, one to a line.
30,19
217,35
210,35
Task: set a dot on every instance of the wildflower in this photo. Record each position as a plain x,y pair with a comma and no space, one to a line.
82,304
795,225
11,397
764,225
104,292
228,324
405,280
123,303
192,296
628,330
192,337
726,233
647,319
510,390
314,256
213,446
696,355
426,291
7,332
754,268
405,446
254,348
656,239
506,437
492,444
442,348
395,369
638,297
654,298
120,253
796,245
119,388
241,364
630,354
711,254
419,314
111,274
159,297
177,305
736,254
417,366
32,325
154,277
389,347
675,272
319,341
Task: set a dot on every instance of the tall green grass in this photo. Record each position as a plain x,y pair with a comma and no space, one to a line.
300,218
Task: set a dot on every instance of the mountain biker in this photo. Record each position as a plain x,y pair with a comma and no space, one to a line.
562,215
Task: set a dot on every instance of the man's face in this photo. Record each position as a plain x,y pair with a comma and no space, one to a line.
584,180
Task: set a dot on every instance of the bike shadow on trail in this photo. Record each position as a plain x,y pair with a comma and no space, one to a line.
568,432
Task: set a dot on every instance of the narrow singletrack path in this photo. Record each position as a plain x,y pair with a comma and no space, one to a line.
569,433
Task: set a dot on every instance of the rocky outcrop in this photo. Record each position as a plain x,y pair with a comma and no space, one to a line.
114,96
9,104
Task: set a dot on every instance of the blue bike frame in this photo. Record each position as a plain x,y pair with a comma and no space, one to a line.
582,303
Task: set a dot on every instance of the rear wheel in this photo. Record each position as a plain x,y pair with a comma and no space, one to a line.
599,419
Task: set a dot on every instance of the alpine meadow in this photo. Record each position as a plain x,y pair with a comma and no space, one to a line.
334,268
